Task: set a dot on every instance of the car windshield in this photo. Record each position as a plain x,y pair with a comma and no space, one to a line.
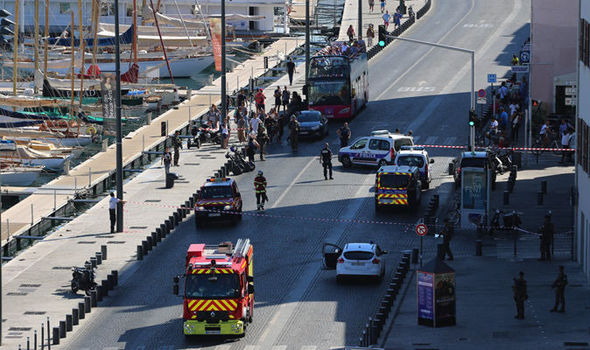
358,255
330,93
473,162
308,117
212,286
394,181
416,161
213,192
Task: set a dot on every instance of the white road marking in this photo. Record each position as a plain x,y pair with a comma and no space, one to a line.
416,89
276,203
309,347
431,140
481,25
223,347
450,141
279,347
252,347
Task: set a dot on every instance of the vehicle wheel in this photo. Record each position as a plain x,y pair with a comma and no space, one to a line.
382,162
346,162
240,214
75,287
89,290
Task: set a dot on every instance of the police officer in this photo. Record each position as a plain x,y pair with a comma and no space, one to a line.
547,231
344,134
559,287
260,187
326,160
447,232
294,133
520,295
177,144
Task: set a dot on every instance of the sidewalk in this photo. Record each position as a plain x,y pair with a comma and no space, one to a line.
485,308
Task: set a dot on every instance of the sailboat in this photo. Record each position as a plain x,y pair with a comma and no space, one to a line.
16,174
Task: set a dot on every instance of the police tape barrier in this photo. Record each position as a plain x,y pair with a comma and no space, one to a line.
519,149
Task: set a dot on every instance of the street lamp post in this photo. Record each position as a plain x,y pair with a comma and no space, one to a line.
119,160
307,48
360,23
223,78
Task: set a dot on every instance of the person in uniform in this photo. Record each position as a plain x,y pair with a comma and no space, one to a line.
294,133
447,232
344,135
260,187
559,288
547,231
520,295
177,144
326,160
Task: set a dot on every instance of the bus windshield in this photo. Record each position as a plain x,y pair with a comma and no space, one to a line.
212,286
329,93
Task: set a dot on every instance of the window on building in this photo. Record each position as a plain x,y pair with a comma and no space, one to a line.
64,7
584,44
586,154
582,144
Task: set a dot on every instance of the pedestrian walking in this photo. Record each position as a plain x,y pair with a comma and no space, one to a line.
326,161
113,201
447,233
350,33
515,60
286,98
278,97
177,145
213,116
251,147
371,5
382,6
290,70
260,187
386,18
294,133
262,138
559,288
344,134
547,231
565,144
241,99
397,17
520,295
241,129
515,127
259,98
167,160
370,35
224,135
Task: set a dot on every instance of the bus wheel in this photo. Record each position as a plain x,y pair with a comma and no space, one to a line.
346,162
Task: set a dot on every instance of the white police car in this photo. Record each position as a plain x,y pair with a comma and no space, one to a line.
380,148
418,157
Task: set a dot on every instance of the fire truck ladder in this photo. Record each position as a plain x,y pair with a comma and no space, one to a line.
242,246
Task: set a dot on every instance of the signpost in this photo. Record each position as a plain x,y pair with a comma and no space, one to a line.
571,93
421,230
481,97
492,80
520,69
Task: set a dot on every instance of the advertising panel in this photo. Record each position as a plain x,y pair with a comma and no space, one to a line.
425,296
215,25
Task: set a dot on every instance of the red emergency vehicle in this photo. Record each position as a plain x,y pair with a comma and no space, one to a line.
218,198
219,289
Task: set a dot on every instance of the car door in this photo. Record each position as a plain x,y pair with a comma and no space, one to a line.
358,150
379,149
331,253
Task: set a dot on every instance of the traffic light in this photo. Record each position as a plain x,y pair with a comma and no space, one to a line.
5,23
535,103
382,35
473,118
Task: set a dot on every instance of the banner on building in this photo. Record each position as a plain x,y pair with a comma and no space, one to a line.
215,26
108,89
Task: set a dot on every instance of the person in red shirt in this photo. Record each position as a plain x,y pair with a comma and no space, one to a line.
260,100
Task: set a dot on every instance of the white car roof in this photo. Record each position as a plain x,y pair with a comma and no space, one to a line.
368,247
412,153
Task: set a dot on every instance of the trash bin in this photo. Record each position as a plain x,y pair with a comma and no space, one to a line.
170,177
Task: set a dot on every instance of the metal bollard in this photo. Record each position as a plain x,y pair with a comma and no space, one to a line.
69,322
99,293
158,235
62,329
93,261
75,317
478,245
48,335
544,186
169,225
93,297
164,229
105,287
81,311
154,239
506,197
111,281
55,336
98,258
144,247
103,250
150,242
139,252
115,275
176,218
88,303
540,198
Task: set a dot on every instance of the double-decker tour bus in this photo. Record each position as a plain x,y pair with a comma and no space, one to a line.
339,81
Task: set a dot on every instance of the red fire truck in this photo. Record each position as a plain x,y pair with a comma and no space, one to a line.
218,289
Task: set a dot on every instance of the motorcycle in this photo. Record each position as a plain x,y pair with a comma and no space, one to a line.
509,221
202,134
83,279
238,164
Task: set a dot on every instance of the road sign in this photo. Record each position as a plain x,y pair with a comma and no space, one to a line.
570,91
421,230
520,69
571,83
491,78
570,101
481,93
525,56
482,100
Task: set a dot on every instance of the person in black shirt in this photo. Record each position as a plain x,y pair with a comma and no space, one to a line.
326,161
344,134
177,144
241,98
290,70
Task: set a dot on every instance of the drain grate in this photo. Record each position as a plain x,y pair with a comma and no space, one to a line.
17,294
86,242
192,163
115,242
13,336
61,268
152,200
30,285
104,236
19,329
137,227
35,312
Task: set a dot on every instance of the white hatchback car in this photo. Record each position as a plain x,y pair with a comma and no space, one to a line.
356,259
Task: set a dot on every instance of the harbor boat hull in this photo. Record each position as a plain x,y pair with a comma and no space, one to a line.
19,176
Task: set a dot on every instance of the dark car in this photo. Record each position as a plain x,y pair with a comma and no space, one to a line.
312,123
478,159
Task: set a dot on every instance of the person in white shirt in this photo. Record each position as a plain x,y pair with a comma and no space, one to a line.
565,144
254,124
113,201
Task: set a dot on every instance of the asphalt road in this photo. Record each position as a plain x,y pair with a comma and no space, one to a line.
299,305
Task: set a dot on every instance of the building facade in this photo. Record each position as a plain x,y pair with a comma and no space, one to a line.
582,227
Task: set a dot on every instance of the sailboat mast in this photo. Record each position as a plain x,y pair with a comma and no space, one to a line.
72,68
82,51
162,41
46,39
36,40
96,7
15,46
135,31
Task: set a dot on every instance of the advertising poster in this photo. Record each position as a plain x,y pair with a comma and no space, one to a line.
444,295
108,90
474,190
425,295
215,26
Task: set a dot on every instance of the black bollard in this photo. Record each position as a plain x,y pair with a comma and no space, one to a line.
105,288
544,186
540,198
150,242
98,258
164,230
93,261
415,256
144,247
139,252
478,246
506,197
62,329
99,293
115,274
103,250
81,311
111,281
75,317
93,297
55,336
154,239
158,235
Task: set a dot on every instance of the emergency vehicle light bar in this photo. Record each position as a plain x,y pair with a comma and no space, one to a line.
412,148
218,179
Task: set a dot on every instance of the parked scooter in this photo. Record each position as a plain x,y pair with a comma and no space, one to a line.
237,162
509,221
83,278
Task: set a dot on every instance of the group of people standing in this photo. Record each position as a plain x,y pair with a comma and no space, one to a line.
507,120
